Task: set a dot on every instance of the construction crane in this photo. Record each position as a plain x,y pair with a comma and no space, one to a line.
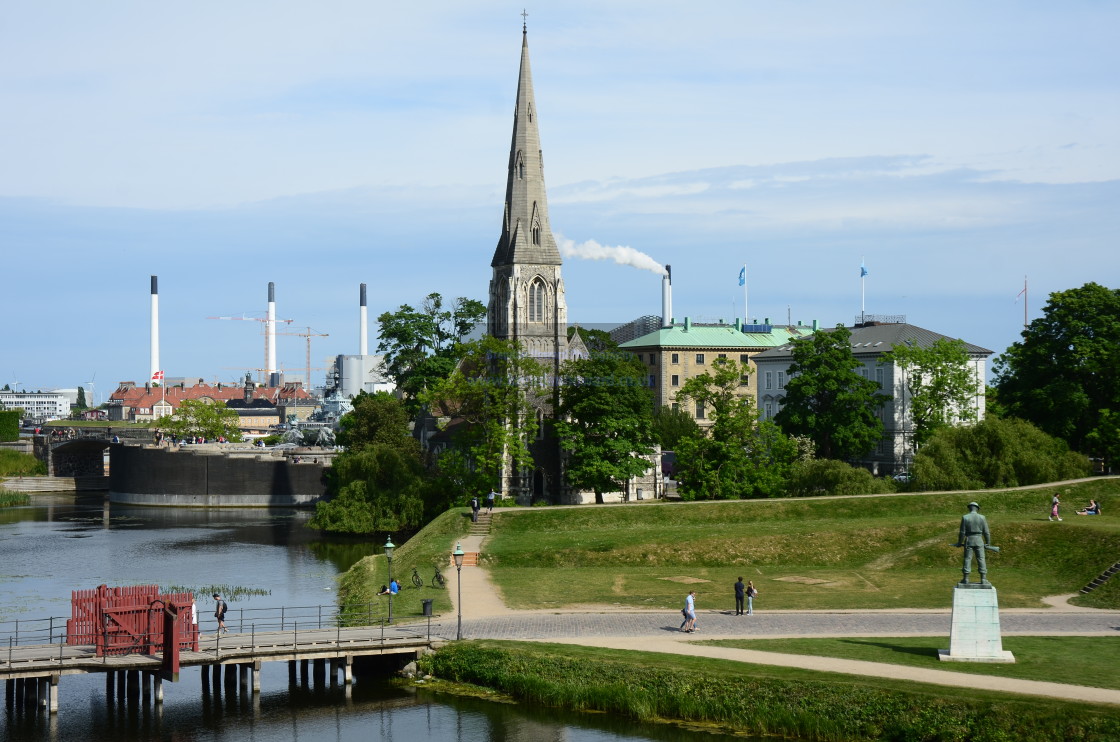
266,335
308,334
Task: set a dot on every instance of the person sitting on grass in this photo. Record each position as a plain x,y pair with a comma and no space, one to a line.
1093,508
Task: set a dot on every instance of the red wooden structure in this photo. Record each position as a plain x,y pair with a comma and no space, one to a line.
131,620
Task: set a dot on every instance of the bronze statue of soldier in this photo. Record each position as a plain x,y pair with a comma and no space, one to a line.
975,537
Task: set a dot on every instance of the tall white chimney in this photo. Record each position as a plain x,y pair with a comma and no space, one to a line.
363,322
667,297
155,332
271,325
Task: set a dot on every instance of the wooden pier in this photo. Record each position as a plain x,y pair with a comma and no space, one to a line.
32,672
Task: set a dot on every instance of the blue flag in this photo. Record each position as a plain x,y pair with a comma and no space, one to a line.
862,269
743,276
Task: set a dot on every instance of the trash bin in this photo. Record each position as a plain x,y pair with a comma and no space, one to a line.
427,606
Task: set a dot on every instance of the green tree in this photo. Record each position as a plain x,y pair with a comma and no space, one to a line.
827,400
671,425
489,405
737,456
421,345
595,340
202,417
816,477
81,403
994,453
378,488
940,382
379,484
1062,376
605,420
378,418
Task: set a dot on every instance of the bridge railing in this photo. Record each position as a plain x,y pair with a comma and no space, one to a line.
32,631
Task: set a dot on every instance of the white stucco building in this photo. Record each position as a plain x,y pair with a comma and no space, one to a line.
869,342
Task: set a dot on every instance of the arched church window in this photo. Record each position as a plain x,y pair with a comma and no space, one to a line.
536,300
520,166
536,233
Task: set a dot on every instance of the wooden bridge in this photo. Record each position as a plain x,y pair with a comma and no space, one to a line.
302,637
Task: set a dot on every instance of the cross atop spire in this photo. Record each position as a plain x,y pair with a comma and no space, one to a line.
526,234
524,21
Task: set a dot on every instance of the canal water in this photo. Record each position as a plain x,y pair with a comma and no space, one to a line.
63,544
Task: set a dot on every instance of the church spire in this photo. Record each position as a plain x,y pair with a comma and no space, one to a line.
526,234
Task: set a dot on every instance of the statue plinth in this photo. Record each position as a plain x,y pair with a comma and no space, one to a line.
975,634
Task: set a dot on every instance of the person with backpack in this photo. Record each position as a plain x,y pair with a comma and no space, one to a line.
752,593
220,609
474,509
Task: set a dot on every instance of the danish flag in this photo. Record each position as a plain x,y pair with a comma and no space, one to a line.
157,376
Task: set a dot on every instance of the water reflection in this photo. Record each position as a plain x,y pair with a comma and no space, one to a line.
64,544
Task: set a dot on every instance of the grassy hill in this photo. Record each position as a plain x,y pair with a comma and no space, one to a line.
891,551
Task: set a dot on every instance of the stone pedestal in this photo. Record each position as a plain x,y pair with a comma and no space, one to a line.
975,635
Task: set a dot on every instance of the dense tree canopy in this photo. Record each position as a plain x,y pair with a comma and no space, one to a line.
940,384
202,417
671,425
737,455
379,483
420,345
828,401
378,418
994,453
489,404
604,420
1063,374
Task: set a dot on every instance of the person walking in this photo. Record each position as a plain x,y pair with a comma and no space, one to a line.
490,501
220,609
474,509
740,594
752,592
689,624
1054,503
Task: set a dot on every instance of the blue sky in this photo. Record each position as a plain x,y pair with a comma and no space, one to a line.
954,147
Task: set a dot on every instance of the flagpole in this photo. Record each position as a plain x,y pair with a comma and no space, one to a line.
862,291
746,313
1025,298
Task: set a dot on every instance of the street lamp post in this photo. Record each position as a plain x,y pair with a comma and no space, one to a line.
458,556
389,556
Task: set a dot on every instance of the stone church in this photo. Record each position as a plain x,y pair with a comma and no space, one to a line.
526,298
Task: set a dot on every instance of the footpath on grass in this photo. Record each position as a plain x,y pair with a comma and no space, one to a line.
486,616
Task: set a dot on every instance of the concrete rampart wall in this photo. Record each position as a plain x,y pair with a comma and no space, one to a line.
184,478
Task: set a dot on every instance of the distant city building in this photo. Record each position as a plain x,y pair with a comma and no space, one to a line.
870,341
349,375
256,404
39,407
673,355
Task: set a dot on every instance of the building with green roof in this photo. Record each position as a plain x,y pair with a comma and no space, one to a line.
673,355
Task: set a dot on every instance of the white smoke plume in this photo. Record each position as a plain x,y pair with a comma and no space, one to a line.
623,255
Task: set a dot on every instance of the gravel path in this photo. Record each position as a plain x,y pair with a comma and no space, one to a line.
485,616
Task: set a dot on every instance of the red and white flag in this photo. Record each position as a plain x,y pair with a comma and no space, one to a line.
157,376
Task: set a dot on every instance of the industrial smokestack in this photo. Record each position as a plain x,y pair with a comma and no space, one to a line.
363,319
271,325
667,297
155,333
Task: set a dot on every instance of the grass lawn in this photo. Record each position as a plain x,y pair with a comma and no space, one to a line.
1077,660
760,699
429,547
869,552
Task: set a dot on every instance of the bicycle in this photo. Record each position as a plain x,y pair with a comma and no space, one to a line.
438,578
416,579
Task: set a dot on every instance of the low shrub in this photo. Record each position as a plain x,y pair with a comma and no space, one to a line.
830,477
995,453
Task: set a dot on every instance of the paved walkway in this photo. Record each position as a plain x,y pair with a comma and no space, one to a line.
486,616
